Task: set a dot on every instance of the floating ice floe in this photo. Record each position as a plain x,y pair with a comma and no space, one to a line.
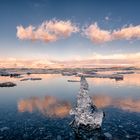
32,79
7,84
86,113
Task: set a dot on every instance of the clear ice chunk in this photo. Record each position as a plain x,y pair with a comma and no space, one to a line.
86,113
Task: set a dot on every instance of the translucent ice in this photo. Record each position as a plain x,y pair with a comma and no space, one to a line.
86,114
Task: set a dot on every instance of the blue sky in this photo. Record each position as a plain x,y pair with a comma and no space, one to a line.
109,14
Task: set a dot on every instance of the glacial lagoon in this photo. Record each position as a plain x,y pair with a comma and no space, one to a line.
40,109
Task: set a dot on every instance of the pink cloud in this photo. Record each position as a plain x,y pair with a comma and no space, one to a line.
24,33
127,33
61,28
97,35
127,59
48,31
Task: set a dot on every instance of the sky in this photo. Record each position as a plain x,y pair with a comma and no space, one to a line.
50,31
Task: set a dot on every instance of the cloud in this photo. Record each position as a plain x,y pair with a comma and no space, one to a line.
53,30
103,60
95,34
127,33
107,18
23,63
128,56
48,31
94,60
98,35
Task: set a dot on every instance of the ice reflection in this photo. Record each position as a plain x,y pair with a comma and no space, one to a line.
128,104
48,106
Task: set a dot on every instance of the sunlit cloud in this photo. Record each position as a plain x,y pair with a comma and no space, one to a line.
97,59
116,56
22,63
48,106
48,31
130,32
53,30
122,59
98,35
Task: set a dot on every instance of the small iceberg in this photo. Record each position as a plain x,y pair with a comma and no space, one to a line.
32,79
73,81
86,114
7,84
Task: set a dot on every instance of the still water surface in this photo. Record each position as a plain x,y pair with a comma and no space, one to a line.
40,109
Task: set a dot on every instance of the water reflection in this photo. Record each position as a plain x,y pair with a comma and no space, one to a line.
52,107
48,106
127,104
118,122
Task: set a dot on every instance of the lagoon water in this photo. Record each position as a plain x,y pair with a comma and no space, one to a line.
40,109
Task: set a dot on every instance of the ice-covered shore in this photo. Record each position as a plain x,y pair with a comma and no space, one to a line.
86,113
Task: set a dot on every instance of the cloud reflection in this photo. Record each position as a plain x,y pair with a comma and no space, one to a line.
127,104
52,107
48,106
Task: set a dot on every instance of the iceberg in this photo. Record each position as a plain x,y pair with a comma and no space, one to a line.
86,114
7,84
